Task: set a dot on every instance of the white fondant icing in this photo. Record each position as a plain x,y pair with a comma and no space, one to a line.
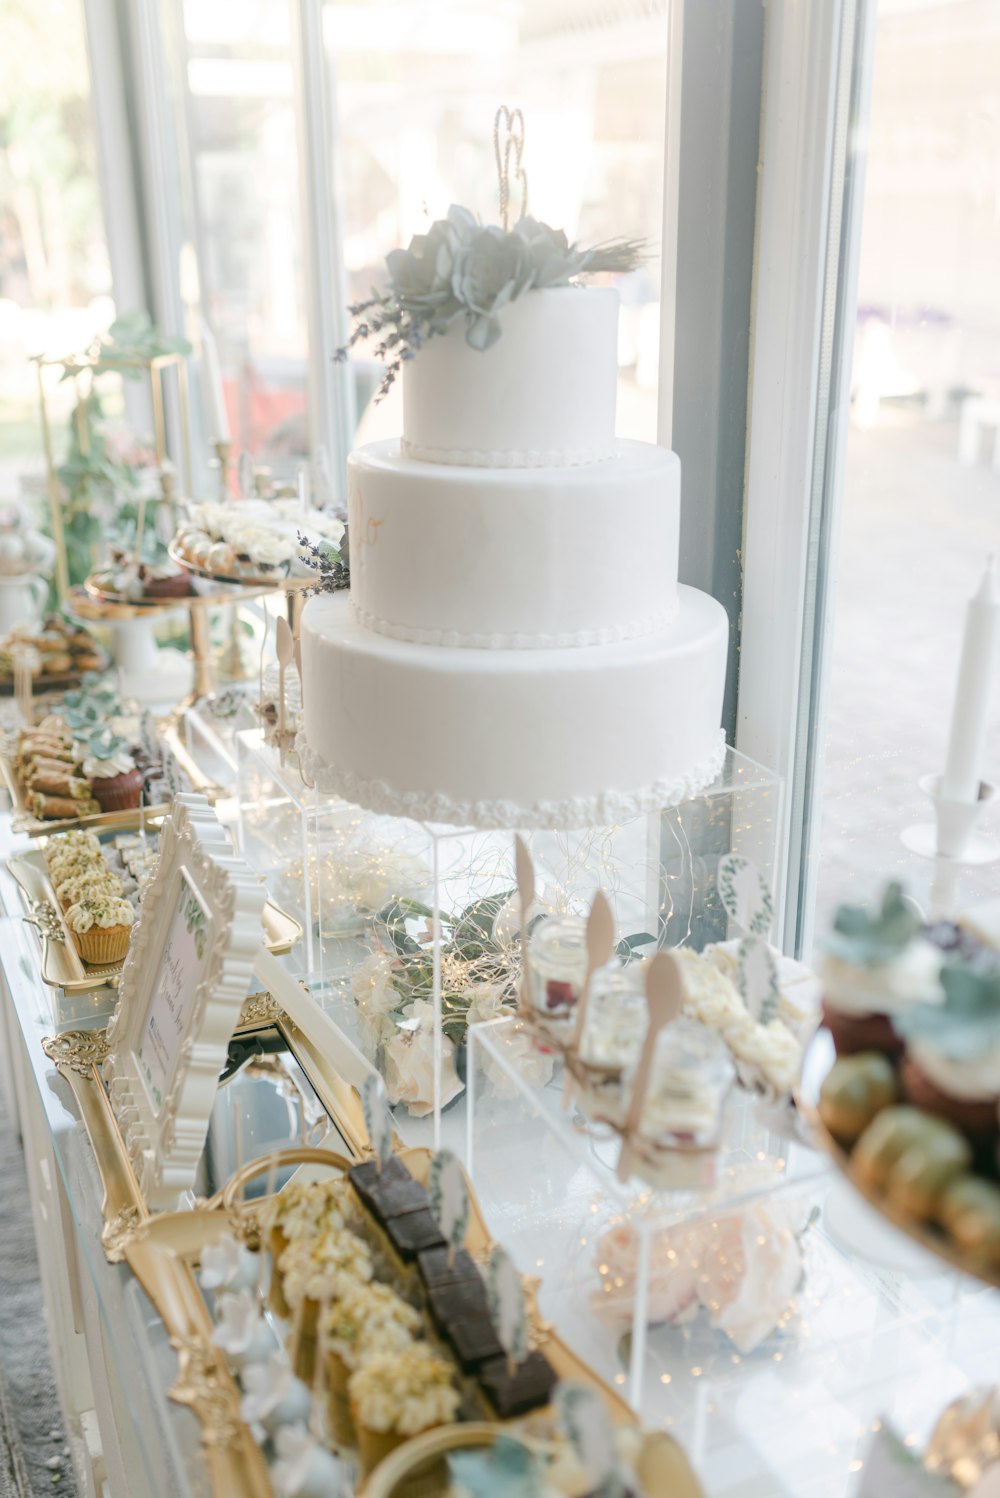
539,559
498,458
543,395
581,811
514,738
453,640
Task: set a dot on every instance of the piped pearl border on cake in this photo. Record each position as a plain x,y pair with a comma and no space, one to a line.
505,458
602,810
456,640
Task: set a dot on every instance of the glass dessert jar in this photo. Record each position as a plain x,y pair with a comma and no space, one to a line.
557,965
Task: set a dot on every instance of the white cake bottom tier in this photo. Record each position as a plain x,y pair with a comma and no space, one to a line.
544,738
514,559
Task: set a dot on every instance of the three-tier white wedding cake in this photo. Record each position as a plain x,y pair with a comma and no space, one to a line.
516,650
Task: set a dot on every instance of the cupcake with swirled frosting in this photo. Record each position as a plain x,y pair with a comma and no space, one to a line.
101,928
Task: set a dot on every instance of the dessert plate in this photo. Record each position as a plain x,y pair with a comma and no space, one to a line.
62,965
818,1060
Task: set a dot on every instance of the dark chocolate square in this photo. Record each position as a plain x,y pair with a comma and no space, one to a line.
452,1303
367,1180
530,1387
395,1198
473,1341
414,1231
435,1269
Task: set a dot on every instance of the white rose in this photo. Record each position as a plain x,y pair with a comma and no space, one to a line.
408,1070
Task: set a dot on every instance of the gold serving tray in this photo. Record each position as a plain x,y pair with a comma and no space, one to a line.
265,580
61,683
95,590
663,1468
818,1060
164,1251
62,965
104,821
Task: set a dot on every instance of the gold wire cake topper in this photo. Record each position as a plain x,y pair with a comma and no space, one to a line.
508,140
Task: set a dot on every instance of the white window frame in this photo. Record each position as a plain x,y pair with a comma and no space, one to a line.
817,71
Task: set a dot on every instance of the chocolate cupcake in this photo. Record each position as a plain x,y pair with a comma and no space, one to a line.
115,780
158,582
952,1061
118,792
876,967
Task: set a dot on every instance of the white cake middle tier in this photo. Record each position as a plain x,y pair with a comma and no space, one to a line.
514,559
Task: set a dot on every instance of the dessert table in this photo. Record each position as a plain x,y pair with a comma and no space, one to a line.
881,1330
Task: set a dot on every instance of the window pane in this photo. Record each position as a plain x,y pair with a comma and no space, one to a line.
238,123
414,91
55,281
921,508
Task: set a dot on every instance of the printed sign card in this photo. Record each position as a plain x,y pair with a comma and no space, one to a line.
182,989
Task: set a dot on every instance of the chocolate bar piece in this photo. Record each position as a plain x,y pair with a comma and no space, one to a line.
530,1387
396,1198
474,1342
414,1231
435,1269
450,1303
367,1179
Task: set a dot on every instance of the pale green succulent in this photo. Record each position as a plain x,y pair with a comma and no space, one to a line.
870,940
461,267
967,1025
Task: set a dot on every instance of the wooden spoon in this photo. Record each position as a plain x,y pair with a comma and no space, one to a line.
664,999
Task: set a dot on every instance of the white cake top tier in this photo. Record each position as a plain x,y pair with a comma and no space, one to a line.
543,396
527,559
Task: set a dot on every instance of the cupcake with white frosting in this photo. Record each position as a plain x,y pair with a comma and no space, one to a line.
876,968
951,1065
101,928
396,1395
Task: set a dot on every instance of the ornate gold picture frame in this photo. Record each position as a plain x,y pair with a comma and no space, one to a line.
182,988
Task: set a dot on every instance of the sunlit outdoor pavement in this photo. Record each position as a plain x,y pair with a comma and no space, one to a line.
915,533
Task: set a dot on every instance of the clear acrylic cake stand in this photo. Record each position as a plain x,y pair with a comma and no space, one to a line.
658,869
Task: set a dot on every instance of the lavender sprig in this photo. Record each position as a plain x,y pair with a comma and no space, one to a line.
332,572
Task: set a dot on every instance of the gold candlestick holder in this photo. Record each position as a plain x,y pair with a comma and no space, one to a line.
237,660
221,463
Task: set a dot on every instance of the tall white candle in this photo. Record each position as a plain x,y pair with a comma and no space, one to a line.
977,673
211,375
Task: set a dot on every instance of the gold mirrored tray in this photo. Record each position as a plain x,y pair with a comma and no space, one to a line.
663,1468
818,1060
60,683
62,965
102,821
164,1252
100,593
263,580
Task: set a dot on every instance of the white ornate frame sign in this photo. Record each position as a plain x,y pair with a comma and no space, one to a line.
189,968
